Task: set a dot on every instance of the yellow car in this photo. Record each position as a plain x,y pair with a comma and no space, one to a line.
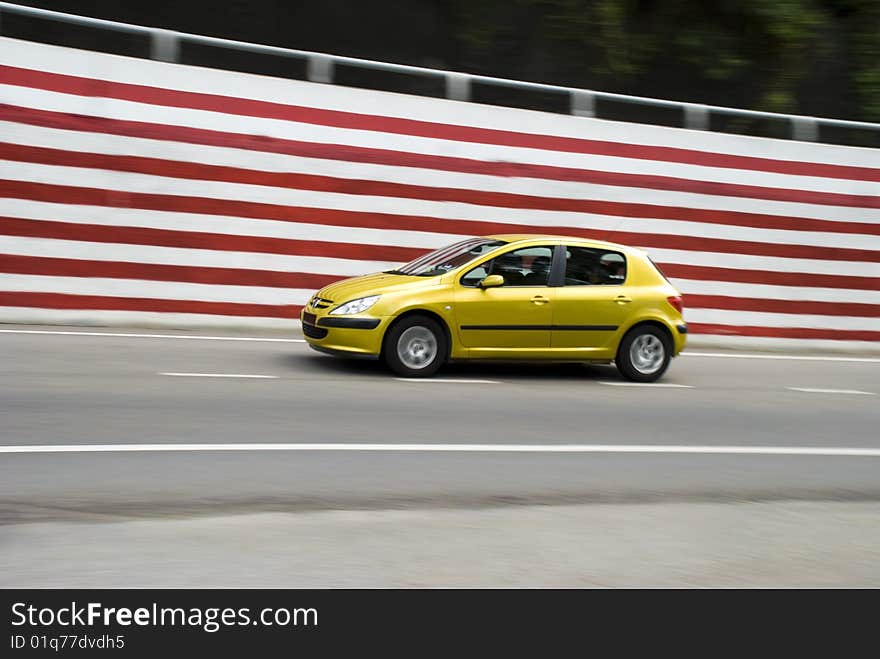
506,297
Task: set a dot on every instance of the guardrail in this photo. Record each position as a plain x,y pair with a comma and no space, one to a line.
165,45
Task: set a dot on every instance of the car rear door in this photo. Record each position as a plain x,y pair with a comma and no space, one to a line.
593,302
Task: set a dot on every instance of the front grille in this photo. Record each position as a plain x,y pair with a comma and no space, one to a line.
320,302
309,318
314,332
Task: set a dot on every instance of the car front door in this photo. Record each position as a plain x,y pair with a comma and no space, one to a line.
516,316
592,304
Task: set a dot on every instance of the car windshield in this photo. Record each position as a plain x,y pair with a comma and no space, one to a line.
448,258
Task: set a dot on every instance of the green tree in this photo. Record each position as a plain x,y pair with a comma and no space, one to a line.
776,55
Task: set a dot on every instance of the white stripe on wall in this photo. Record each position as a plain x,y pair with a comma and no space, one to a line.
165,290
771,263
92,317
769,291
762,319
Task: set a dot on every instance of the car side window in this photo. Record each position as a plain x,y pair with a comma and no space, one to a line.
527,266
586,266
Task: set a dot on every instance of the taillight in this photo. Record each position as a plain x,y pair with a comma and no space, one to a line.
675,301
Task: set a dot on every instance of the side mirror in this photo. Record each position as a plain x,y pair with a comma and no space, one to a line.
491,281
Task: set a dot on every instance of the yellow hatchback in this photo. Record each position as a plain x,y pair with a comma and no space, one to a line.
505,297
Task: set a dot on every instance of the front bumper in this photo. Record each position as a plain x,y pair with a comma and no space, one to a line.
353,335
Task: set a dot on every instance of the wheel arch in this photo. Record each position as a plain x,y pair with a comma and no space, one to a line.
623,359
650,322
433,315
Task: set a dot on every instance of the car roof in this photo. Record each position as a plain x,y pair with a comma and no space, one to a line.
512,238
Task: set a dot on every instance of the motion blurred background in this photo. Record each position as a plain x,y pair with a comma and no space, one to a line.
811,57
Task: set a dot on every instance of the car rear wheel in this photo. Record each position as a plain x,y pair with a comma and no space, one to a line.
415,347
644,354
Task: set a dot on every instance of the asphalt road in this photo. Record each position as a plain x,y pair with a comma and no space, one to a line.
83,389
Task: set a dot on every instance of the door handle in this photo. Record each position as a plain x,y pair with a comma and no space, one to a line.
539,299
623,299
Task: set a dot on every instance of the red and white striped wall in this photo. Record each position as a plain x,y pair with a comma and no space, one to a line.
143,193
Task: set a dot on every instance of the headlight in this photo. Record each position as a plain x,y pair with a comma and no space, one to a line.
355,306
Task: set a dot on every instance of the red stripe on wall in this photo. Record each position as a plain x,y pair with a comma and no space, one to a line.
346,153
320,183
107,303
174,203
70,84
202,240
784,332
782,306
59,267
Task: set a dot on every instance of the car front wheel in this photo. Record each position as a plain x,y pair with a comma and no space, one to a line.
644,354
415,347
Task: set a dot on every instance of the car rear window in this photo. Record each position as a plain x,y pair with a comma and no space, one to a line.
586,266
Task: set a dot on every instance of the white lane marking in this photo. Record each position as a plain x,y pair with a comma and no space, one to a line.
220,375
156,336
794,357
831,391
450,448
450,380
647,384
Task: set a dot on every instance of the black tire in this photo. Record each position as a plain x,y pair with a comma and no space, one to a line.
415,347
644,354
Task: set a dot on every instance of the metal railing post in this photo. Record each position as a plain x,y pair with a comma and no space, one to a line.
164,46
458,86
804,129
696,116
320,69
583,104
